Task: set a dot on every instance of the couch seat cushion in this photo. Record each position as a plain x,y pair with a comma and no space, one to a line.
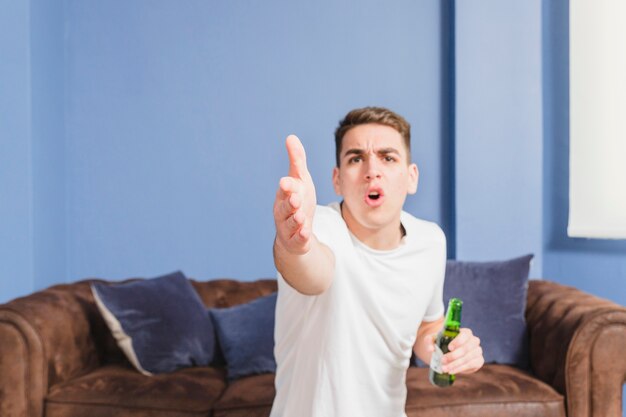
189,391
249,396
495,390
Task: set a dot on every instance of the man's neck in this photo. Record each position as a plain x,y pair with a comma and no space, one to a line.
387,238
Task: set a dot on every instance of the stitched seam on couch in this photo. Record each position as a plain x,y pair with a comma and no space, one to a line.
248,405
487,403
202,411
242,407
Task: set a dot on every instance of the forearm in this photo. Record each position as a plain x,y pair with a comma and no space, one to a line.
421,351
310,273
425,338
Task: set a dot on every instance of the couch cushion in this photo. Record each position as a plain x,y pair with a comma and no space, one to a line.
160,323
109,389
495,390
494,304
246,336
251,396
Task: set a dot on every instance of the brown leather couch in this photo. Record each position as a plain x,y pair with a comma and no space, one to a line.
57,358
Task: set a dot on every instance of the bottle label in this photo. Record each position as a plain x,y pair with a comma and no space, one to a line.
435,360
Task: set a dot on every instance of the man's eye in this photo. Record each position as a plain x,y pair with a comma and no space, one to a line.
390,158
355,159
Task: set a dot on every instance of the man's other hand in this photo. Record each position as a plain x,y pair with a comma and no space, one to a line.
465,354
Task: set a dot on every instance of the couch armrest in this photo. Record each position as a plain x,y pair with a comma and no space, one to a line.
577,345
45,338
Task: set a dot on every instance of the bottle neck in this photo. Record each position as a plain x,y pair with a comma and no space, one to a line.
453,317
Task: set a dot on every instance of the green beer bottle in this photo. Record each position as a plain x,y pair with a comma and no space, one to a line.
446,335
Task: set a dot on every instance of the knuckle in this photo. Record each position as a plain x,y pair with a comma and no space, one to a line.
294,220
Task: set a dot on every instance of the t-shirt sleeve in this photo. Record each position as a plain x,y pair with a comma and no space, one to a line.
436,307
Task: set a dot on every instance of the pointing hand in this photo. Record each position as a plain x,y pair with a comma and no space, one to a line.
295,202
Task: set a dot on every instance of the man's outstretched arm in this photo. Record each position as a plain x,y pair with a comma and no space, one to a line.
305,263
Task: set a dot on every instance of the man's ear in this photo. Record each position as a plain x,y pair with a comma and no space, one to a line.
414,175
336,181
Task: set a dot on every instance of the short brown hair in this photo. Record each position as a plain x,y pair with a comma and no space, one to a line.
367,115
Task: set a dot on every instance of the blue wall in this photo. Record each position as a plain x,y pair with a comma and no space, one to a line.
498,129
151,138
47,84
16,199
595,265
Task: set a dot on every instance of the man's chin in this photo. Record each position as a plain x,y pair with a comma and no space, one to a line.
376,219
370,217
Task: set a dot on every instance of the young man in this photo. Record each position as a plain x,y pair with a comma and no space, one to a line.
360,282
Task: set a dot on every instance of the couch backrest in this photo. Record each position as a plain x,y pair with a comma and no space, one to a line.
222,293
214,293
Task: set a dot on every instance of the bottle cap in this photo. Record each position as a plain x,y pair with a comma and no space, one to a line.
457,302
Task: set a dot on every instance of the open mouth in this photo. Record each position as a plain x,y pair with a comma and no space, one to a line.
374,197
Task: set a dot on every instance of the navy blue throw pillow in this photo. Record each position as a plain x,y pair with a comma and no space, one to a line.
246,336
160,324
494,305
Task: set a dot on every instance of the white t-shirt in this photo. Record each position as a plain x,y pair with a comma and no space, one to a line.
346,351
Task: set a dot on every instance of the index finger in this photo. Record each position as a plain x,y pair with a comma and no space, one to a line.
297,157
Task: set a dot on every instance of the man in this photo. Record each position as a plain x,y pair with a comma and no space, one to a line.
360,282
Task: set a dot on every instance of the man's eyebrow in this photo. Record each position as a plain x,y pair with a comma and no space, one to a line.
381,151
385,151
353,151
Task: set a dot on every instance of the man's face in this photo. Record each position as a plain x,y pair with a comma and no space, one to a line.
374,178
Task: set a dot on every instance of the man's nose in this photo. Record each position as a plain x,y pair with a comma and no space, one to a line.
372,170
